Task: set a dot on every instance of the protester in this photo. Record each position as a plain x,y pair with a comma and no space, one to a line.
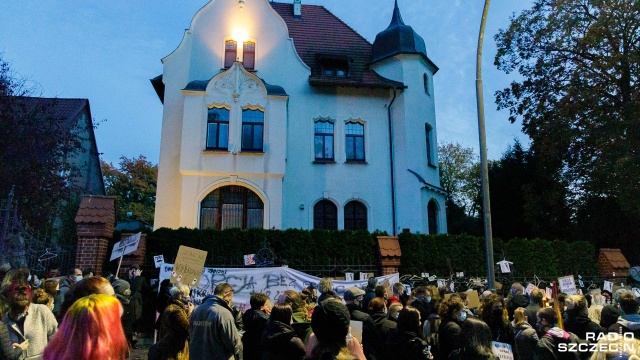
495,315
578,321
452,314
629,321
517,299
393,311
597,303
91,330
609,316
279,340
26,320
422,302
383,326
123,294
139,289
86,287
51,286
369,292
525,336
398,296
173,340
535,304
9,350
353,298
547,347
213,333
407,343
43,298
255,321
325,286
65,285
330,324
87,273
476,342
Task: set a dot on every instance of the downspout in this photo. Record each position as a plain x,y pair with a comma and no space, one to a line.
393,189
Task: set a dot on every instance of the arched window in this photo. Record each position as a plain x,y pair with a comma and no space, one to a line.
231,207
325,215
355,216
432,216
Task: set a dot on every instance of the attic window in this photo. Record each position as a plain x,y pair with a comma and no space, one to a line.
249,55
334,67
230,53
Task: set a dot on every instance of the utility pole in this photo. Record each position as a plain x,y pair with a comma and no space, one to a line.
486,205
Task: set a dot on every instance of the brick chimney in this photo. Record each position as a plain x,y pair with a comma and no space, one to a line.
297,9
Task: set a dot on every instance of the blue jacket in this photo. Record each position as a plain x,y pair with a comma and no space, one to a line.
213,331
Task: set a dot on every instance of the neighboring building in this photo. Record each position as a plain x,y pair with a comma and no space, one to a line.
278,115
75,115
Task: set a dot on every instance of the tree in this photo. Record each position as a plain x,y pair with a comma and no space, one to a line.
133,183
34,150
460,175
579,97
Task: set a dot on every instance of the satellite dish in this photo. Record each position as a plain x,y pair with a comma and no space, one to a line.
634,272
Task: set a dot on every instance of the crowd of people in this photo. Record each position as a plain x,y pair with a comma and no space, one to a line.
85,317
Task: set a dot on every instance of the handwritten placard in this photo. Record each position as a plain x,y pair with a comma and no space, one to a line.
568,285
158,260
125,246
502,350
250,259
188,267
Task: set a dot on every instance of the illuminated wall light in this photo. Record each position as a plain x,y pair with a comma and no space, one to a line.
241,4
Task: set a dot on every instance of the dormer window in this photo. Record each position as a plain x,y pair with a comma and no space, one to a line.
334,66
230,53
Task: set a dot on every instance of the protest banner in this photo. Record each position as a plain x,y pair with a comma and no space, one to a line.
124,247
269,280
188,266
567,285
502,350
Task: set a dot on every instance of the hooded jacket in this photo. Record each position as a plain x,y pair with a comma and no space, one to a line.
515,302
580,324
547,348
255,321
406,346
627,323
213,332
279,342
526,340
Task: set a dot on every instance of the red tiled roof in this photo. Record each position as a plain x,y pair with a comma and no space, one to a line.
615,258
319,32
389,246
96,209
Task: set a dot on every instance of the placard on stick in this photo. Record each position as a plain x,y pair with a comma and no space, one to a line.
188,266
567,285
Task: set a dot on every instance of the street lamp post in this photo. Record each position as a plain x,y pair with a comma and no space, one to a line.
486,206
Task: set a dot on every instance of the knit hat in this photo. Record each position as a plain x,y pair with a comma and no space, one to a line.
609,316
120,286
352,293
330,321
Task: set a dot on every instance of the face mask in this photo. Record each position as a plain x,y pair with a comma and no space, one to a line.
78,277
497,313
428,299
29,277
37,283
463,316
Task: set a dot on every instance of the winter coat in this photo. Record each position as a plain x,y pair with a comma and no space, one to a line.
516,302
406,346
368,296
174,325
368,330
255,321
449,339
547,347
39,326
627,323
532,314
65,285
383,327
580,324
526,340
279,342
213,333
6,350
127,317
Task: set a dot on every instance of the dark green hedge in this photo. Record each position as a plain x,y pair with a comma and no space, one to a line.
436,254
447,254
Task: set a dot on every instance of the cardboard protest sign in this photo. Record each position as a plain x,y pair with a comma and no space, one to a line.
250,259
608,286
548,293
188,267
473,299
125,246
356,330
158,260
568,285
348,276
530,287
365,275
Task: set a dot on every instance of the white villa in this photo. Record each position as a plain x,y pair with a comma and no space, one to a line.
279,115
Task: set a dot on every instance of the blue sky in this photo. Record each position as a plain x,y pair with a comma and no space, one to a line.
107,51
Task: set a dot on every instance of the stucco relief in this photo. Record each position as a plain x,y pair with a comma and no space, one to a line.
237,85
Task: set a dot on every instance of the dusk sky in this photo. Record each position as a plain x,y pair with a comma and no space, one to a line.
106,51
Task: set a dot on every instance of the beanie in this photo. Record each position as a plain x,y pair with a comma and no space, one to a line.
330,322
119,286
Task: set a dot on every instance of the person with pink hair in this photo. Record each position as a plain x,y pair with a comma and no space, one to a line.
90,330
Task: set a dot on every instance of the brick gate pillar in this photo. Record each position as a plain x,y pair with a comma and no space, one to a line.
390,254
95,221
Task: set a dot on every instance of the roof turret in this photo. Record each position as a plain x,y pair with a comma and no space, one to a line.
397,38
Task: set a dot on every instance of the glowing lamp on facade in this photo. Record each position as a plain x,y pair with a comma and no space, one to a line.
240,35
241,4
